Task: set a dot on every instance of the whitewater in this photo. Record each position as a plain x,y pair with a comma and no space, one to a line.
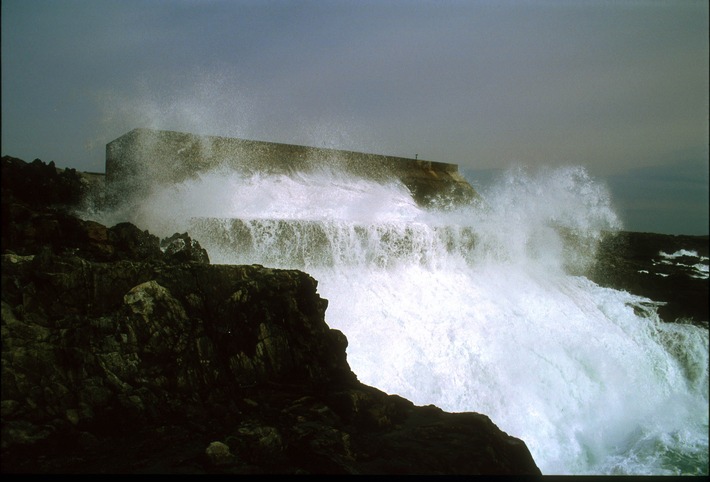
476,308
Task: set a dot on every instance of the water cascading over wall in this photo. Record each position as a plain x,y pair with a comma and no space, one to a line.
146,158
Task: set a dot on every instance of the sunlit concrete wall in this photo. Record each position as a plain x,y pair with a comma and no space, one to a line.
145,158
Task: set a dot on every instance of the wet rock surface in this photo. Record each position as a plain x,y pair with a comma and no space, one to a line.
669,269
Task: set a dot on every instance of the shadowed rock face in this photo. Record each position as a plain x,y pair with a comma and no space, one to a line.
144,158
122,353
658,266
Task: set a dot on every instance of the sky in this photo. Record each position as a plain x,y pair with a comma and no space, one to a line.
619,87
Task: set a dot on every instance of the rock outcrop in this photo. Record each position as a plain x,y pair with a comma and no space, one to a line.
670,269
122,353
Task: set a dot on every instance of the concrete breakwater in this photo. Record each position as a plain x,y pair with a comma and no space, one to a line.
145,158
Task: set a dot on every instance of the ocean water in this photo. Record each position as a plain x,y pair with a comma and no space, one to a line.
481,308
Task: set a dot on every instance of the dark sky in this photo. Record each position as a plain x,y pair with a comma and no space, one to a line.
620,87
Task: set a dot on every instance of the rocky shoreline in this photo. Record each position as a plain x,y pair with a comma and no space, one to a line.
641,263
125,353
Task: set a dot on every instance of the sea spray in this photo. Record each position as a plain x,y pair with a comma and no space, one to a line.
474,308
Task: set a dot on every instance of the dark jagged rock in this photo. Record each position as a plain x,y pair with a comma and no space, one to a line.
31,224
40,185
633,262
122,357
183,248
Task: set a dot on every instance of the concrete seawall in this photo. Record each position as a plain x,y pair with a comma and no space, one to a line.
144,158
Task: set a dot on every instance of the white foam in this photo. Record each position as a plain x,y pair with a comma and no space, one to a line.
696,270
679,253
